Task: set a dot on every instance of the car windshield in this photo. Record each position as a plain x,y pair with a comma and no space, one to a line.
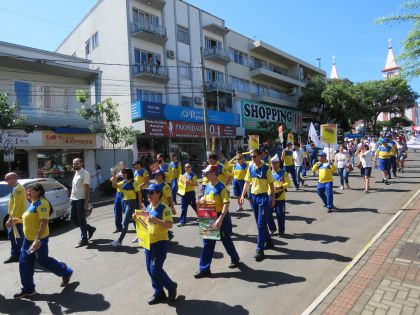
5,190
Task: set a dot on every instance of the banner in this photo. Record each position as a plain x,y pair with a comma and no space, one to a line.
182,185
253,142
329,134
290,138
142,228
51,138
207,216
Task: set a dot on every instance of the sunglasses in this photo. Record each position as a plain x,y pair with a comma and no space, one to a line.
187,166
253,156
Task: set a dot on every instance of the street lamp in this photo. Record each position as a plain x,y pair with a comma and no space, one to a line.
319,62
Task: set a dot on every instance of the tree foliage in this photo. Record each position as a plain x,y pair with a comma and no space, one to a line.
411,44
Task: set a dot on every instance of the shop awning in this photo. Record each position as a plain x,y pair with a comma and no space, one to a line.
72,130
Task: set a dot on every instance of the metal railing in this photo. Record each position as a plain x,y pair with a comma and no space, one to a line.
149,68
149,28
220,85
220,52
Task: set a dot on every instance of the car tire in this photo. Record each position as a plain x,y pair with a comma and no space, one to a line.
4,222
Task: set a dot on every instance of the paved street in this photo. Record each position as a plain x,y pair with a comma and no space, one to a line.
300,267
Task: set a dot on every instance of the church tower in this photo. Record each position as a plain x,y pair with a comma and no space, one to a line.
391,69
334,73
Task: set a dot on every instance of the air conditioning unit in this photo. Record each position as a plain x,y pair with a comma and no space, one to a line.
292,91
170,54
198,100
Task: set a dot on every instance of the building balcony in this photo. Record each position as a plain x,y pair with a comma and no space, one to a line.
222,86
54,116
216,29
151,72
263,72
149,32
274,97
155,4
218,55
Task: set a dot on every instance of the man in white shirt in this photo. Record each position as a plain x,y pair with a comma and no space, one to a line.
298,157
79,197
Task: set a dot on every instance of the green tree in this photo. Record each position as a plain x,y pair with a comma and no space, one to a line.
105,121
411,44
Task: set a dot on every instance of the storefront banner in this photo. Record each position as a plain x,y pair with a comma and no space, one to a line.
156,111
20,139
79,141
254,113
329,134
176,129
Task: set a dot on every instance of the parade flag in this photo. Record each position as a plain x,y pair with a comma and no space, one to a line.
143,228
313,135
253,142
207,216
182,185
329,134
290,138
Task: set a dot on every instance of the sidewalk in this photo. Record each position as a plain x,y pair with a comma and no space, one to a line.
386,280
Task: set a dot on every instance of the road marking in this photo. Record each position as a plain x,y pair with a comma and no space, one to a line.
340,277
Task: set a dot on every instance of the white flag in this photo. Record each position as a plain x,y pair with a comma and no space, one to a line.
313,135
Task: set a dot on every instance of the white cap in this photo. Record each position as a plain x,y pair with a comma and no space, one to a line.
275,159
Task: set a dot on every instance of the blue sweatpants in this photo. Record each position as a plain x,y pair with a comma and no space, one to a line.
280,210
118,210
155,257
260,206
27,264
393,166
174,188
209,245
129,207
325,191
16,243
187,200
292,171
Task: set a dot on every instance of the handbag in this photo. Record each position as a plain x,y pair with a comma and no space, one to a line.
349,167
359,165
89,210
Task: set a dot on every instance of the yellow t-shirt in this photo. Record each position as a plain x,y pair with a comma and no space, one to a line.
287,157
239,171
129,189
281,183
260,178
120,179
17,201
37,211
218,194
325,171
157,232
183,186
140,177
175,169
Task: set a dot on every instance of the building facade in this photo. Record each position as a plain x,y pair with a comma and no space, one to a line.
44,84
161,60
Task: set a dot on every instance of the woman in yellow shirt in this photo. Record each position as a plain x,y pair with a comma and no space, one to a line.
186,188
160,219
35,244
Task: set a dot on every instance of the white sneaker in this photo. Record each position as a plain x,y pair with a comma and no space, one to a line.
135,240
341,187
180,224
115,243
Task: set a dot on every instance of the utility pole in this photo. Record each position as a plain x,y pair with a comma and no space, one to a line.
206,115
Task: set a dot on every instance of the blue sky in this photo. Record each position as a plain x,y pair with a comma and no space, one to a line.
308,29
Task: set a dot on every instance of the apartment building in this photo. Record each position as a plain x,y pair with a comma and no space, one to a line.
150,56
44,84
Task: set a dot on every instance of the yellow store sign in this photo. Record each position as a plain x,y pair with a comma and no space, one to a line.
52,139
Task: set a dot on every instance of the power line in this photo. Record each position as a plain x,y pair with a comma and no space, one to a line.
35,18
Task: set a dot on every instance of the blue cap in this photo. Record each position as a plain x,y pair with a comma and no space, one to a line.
159,172
323,154
154,187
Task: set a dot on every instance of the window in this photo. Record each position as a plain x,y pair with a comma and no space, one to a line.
145,21
23,92
87,49
184,70
95,40
141,57
214,76
239,57
257,63
149,96
183,35
259,89
240,85
277,69
186,100
210,43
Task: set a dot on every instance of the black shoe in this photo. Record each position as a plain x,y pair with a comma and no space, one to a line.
12,259
171,236
282,234
259,255
330,210
157,299
386,182
172,294
23,295
90,232
66,280
272,232
269,246
82,243
203,274
234,265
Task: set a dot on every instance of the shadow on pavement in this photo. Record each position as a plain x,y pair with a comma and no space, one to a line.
306,254
390,190
202,307
102,245
345,210
60,227
325,239
239,215
299,218
299,202
253,239
73,301
265,278
18,307
178,249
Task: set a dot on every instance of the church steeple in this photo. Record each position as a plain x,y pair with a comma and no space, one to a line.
391,68
334,73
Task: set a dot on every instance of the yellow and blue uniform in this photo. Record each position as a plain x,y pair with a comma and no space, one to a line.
166,192
325,182
260,179
223,161
393,158
165,168
383,153
155,257
281,183
222,173
129,189
220,196
16,207
289,165
175,170
118,204
239,173
187,192
130,192
38,210
141,177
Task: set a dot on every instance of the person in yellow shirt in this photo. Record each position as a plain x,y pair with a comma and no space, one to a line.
216,191
175,170
186,188
289,164
239,171
131,197
166,192
383,154
118,200
163,166
261,178
35,244
160,219
142,179
222,158
222,170
393,156
325,182
281,183
16,208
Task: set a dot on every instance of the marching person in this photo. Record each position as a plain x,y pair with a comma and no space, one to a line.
313,155
131,197
342,159
35,244
224,175
260,177
299,160
402,153
222,158
79,197
216,191
289,164
175,170
392,156
383,154
187,183
142,179
118,200
305,159
163,166
16,208
366,159
239,172
160,219
281,183
166,194
325,183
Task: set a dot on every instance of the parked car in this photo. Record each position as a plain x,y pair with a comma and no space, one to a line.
56,193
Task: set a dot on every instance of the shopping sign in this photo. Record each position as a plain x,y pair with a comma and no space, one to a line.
207,217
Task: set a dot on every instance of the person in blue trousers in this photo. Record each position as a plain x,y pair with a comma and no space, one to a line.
175,170
119,199
289,164
216,191
35,244
325,183
186,188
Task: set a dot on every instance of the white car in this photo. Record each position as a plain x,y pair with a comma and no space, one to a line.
56,193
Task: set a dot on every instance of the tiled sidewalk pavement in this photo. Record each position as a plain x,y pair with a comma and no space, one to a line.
381,282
